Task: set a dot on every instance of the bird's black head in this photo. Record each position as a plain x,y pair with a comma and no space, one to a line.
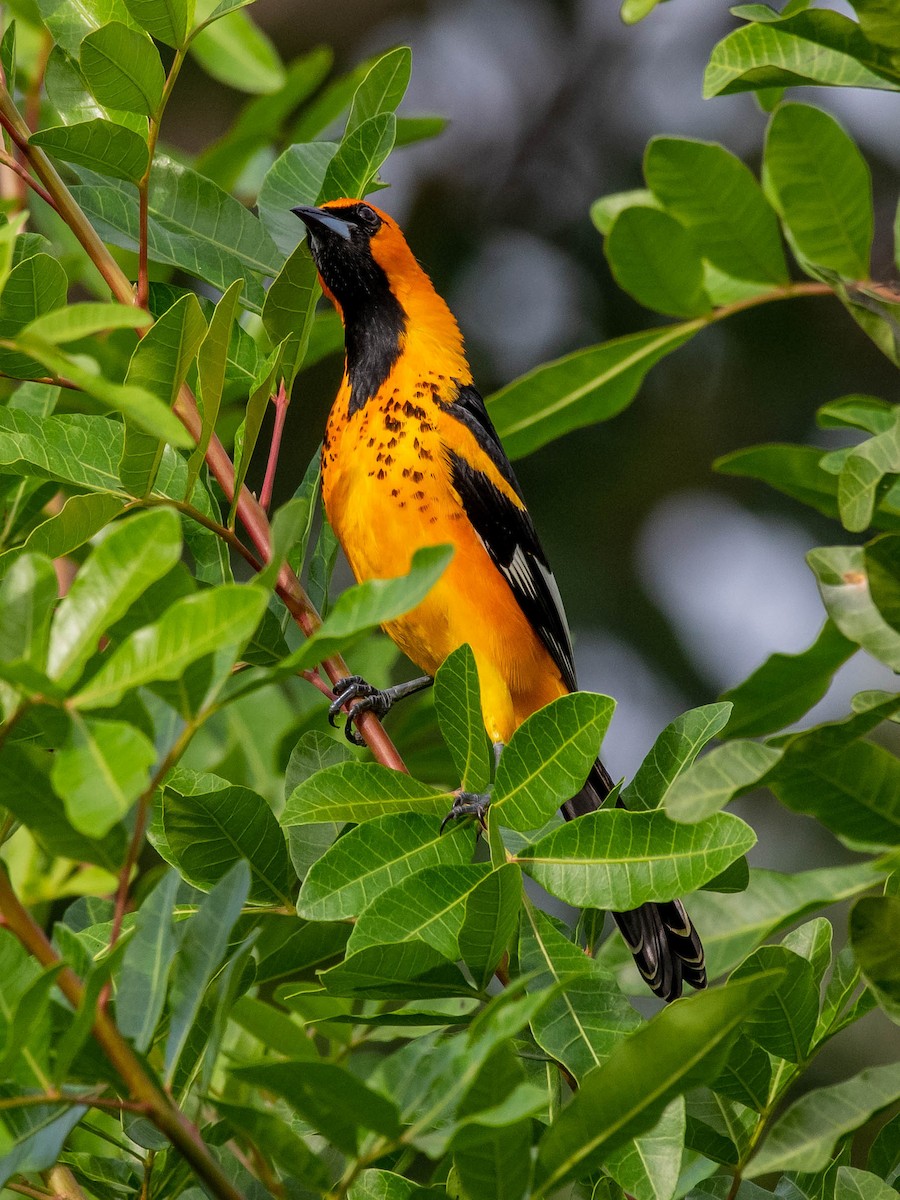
342,242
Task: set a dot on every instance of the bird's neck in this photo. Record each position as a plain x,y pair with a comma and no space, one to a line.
411,320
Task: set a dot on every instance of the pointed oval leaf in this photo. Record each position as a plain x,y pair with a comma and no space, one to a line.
220,619
548,758
99,144
580,389
716,198
653,259
673,752
122,68
100,771
619,860
804,1137
166,20
683,1046
714,780
355,791
138,551
372,857
822,188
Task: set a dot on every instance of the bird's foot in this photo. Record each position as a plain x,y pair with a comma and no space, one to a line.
363,697
468,804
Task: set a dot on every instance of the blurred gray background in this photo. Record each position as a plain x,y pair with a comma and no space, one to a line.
677,582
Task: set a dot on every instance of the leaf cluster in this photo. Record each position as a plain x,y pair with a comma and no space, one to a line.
295,985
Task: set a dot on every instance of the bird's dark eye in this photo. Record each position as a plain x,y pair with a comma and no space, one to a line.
368,216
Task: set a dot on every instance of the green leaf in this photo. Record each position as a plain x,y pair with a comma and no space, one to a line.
382,89
75,449
853,1184
714,780
159,365
429,906
633,11
235,51
785,1021
882,563
40,1136
100,771
843,583
496,1166
884,1155
203,945
283,1145
619,860
166,20
747,1075
83,320
28,592
683,1046
874,933
862,473
580,389
648,1167
122,68
334,1102
548,758
99,144
795,471
877,20
852,786
192,225
653,258
211,368
354,168
289,310
582,1021
296,177
716,198
814,47
28,795
821,186
803,1138
207,832
491,917
457,701
136,552
262,391
149,955
605,209
673,752
135,403
71,23
218,621
407,971
355,791
858,412
372,857
36,286
787,685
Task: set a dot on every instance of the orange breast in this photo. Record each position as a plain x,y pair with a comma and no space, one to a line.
387,492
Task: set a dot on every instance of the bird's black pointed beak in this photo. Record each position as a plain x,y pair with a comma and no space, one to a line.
320,221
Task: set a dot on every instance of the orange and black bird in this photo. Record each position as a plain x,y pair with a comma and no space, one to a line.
410,458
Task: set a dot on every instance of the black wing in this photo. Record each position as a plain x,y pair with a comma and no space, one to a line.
507,533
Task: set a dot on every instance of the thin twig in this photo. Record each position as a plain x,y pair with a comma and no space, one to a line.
25,1189
14,165
281,400
105,1102
222,531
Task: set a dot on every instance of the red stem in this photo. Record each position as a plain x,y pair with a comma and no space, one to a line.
281,400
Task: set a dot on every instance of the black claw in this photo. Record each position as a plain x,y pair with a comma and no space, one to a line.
344,690
468,804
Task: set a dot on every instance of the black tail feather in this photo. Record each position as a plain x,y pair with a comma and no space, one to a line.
665,945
